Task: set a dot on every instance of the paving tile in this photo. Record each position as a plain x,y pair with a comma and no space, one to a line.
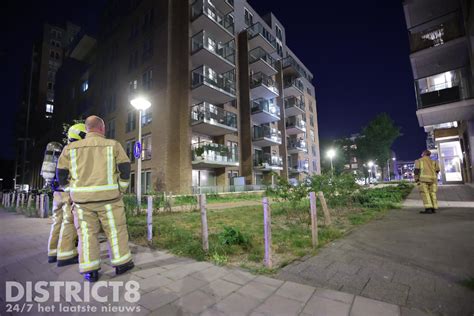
279,305
335,295
353,280
210,274
365,306
295,291
321,306
195,302
256,289
405,311
237,304
158,298
345,267
169,310
145,273
238,277
151,283
186,285
220,288
383,290
268,281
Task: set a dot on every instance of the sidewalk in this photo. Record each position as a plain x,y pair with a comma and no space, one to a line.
171,285
413,260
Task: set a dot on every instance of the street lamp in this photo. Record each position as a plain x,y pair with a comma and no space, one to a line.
331,154
141,104
388,167
370,164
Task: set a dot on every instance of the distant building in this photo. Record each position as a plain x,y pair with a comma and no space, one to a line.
441,41
406,170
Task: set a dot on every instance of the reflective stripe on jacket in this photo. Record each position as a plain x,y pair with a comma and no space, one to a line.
428,169
92,167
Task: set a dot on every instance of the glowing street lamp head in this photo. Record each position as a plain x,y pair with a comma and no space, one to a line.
331,153
140,103
370,164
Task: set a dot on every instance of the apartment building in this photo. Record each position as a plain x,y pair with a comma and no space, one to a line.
440,34
37,102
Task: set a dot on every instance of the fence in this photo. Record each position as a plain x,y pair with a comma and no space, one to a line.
22,202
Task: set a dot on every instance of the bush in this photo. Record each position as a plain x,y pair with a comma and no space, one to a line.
233,236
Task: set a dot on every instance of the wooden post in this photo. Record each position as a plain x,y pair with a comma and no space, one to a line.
327,216
41,211
204,231
267,231
314,219
46,206
13,200
23,200
18,200
30,200
149,218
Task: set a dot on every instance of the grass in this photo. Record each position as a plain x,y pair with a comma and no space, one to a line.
236,234
469,283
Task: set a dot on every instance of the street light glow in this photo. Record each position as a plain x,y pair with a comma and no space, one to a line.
331,153
140,103
370,164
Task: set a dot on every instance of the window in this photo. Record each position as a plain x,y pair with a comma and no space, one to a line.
129,146
50,86
147,49
308,90
133,61
279,49
311,134
231,175
146,147
233,150
51,54
49,108
314,150
131,121
279,33
310,105
131,187
315,166
146,117
248,17
311,120
134,29
85,86
133,85
146,182
147,79
56,55
148,19
110,129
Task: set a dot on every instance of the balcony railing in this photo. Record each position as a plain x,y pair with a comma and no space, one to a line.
260,79
206,112
452,86
262,105
200,7
295,102
258,29
264,131
260,54
299,166
294,82
298,144
438,35
268,161
212,152
205,75
204,40
291,62
297,122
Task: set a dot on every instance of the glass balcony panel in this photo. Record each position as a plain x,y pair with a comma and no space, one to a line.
204,40
263,86
211,120
212,155
260,36
267,162
299,166
223,86
224,22
294,106
292,67
266,136
296,145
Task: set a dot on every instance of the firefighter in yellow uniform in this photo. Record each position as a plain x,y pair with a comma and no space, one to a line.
426,176
96,171
63,235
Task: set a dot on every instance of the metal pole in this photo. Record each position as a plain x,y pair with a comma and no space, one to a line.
139,162
267,233
388,168
332,168
314,219
204,229
27,120
150,219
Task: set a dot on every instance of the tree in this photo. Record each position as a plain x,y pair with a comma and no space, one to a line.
376,140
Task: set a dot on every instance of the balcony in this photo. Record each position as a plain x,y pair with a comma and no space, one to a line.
450,29
261,61
206,17
300,166
296,146
293,87
206,51
209,86
447,87
264,136
265,111
259,36
294,106
295,125
224,6
291,67
211,120
262,86
210,155
268,163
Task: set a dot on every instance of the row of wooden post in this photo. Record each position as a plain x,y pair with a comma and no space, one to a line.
17,200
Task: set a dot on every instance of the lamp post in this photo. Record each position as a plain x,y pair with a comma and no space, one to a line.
370,164
388,167
331,154
140,104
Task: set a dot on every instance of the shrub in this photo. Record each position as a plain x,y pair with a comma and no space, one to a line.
233,236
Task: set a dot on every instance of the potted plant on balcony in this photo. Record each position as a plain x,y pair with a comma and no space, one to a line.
199,152
224,153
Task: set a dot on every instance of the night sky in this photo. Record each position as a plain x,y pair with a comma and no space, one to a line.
357,51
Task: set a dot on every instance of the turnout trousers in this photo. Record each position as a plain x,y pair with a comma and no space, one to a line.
63,236
109,215
428,194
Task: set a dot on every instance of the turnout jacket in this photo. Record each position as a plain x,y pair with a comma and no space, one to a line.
426,170
93,169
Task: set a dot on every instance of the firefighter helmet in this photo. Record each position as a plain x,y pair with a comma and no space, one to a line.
76,132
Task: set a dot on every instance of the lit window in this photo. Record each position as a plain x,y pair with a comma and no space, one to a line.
248,17
49,108
85,86
147,79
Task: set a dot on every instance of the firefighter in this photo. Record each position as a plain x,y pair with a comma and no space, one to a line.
426,177
96,171
63,236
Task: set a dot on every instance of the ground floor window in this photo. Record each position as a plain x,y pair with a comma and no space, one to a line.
204,178
146,182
